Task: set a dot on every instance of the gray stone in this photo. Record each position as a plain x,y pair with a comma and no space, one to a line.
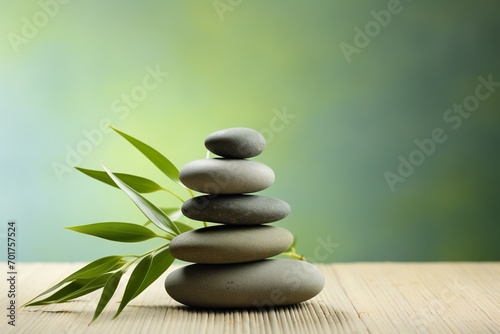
226,176
236,209
265,283
236,143
230,244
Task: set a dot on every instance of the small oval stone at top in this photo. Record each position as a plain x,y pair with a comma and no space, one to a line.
236,143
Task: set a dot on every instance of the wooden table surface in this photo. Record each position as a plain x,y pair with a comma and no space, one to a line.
358,298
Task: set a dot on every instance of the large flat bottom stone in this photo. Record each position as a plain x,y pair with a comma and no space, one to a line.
266,283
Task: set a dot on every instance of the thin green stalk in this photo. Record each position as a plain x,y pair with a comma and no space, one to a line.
294,255
128,264
130,255
168,237
138,257
174,194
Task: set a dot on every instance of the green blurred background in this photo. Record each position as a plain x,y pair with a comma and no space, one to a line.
244,63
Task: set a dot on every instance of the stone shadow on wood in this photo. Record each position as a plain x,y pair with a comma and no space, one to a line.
310,312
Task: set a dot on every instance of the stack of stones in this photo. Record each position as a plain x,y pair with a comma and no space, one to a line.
232,269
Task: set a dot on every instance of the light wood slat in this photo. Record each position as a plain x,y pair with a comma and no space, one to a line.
358,298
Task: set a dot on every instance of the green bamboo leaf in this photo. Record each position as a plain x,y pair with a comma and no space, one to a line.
158,217
91,270
66,290
97,267
74,290
91,286
116,231
134,283
154,156
169,211
172,213
161,262
138,183
107,293
183,227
